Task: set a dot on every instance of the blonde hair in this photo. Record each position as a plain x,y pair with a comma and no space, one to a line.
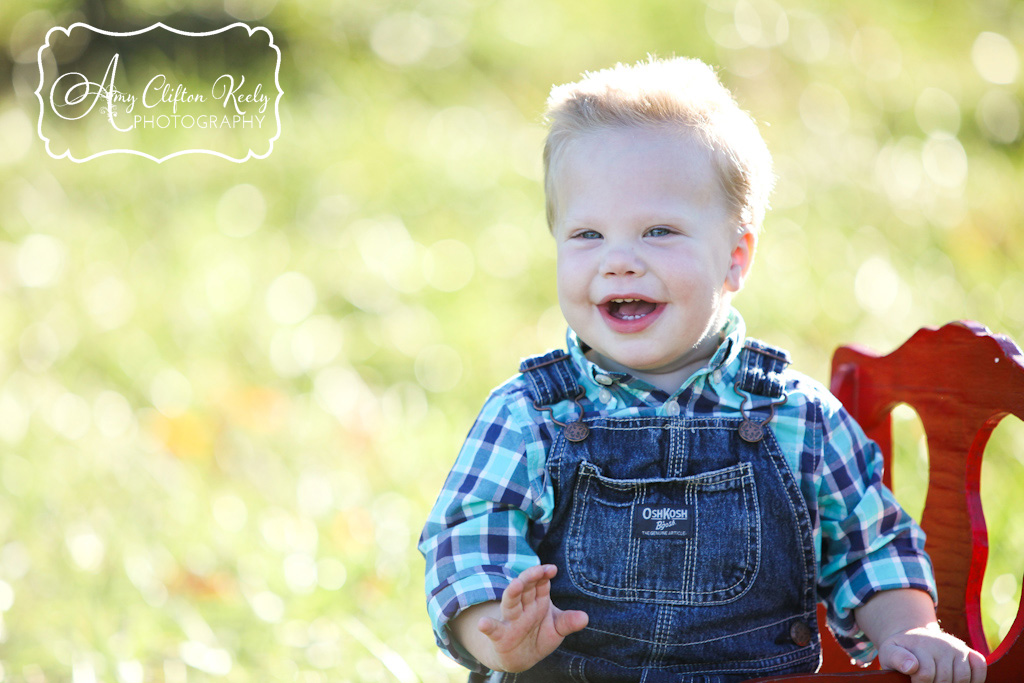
682,94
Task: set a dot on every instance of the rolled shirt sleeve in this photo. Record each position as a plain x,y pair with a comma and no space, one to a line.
477,537
869,543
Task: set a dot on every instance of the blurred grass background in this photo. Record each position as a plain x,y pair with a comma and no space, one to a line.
229,393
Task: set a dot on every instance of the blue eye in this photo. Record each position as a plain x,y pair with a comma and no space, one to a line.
589,235
659,231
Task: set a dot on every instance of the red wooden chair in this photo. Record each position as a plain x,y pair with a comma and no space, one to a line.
962,380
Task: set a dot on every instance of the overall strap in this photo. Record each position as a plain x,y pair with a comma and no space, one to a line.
550,378
761,369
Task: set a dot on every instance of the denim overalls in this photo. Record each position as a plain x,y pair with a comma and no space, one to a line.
685,539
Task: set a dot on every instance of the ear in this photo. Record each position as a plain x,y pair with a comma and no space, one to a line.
741,258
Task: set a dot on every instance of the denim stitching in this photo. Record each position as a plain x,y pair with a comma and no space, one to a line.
589,476
685,643
640,493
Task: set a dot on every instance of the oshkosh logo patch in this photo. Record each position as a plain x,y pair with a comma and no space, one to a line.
663,521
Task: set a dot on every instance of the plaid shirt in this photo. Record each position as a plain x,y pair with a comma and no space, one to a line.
497,501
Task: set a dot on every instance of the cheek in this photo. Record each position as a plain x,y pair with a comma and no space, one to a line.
571,276
564,287
691,282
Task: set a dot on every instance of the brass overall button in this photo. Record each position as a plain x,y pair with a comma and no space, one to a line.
800,633
576,431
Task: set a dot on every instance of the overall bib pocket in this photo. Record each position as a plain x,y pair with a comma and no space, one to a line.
685,541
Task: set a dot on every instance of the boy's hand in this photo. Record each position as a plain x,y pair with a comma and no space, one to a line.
902,622
928,654
524,628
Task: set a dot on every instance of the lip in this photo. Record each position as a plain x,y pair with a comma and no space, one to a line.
630,326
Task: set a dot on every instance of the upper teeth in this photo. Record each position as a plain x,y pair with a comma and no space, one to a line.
624,301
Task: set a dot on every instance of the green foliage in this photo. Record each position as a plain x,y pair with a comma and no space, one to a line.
230,392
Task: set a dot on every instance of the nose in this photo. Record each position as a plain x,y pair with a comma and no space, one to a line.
621,259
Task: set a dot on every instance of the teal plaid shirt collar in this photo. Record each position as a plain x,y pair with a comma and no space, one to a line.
594,378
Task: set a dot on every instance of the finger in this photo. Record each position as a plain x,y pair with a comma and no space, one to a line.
967,667
536,573
900,659
527,581
543,588
512,600
513,594
492,628
513,590
571,621
962,670
979,667
925,672
532,584
529,594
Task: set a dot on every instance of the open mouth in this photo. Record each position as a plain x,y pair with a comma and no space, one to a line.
630,309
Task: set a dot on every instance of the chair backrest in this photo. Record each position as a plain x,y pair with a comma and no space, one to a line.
962,380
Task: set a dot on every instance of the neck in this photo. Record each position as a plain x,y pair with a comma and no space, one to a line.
669,379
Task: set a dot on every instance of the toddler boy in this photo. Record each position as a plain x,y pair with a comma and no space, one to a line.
666,500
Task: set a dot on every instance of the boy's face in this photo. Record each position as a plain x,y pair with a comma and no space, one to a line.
649,252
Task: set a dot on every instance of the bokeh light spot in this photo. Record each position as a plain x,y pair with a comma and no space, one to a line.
504,250
170,392
824,109
40,260
945,161
809,41
402,38
528,22
86,547
438,368
448,265
937,111
212,660
6,596
388,252
69,416
899,170
15,560
331,573
39,346
314,494
249,10
300,573
228,285
267,606
110,302
16,135
877,53
241,210
340,391
999,116
112,414
290,298
876,285
230,512
131,672
995,58
761,24
410,328
14,418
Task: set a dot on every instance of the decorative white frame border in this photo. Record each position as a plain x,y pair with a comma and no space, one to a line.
67,154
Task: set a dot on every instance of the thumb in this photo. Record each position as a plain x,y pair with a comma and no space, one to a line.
490,627
897,658
571,621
